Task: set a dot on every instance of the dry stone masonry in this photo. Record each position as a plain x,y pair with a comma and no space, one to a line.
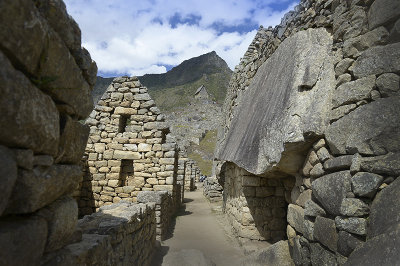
128,149
312,110
212,189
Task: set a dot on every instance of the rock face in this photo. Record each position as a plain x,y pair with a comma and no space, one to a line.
270,125
337,152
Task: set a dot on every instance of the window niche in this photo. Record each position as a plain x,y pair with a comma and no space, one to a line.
126,172
124,120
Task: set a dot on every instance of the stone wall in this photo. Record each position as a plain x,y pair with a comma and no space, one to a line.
164,210
190,175
118,234
316,100
128,149
212,189
45,83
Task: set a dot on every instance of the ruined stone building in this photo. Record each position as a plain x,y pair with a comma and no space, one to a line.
310,146
130,179
201,93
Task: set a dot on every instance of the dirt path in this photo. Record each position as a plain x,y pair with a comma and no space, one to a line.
197,227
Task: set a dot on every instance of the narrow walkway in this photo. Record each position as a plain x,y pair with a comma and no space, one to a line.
197,227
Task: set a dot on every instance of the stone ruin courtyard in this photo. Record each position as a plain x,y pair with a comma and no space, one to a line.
305,172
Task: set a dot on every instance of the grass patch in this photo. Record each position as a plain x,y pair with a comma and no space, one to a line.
204,165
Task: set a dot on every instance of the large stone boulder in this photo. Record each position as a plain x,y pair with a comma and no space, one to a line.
277,254
372,129
286,104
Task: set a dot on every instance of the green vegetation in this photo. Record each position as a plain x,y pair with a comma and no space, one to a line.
169,99
206,146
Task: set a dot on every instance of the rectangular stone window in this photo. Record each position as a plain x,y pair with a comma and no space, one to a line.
126,172
124,121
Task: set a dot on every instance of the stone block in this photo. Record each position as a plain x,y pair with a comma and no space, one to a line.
323,154
142,97
24,107
380,250
22,240
37,188
385,210
24,158
317,171
388,84
383,12
366,184
126,155
331,189
352,47
325,232
251,181
338,163
313,209
8,175
163,187
62,218
143,147
353,225
125,111
388,164
167,161
353,207
354,91
304,197
347,243
295,217
321,256
263,192
378,60
73,139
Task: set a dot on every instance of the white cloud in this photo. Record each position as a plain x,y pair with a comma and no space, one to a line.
135,37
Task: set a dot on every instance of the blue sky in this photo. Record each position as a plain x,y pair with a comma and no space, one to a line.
135,37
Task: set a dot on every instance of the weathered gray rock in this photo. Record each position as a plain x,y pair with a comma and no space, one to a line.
338,163
360,43
22,240
62,218
353,225
37,188
323,154
378,60
43,160
348,23
73,139
354,91
273,115
317,171
343,65
277,254
23,107
366,184
187,257
339,112
304,197
380,250
388,84
395,32
295,217
152,196
382,12
353,207
313,209
385,210
321,256
388,164
8,175
343,79
301,251
325,232
331,189
347,243
24,158
370,129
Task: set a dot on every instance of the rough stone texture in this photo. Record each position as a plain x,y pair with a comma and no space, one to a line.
353,207
325,232
268,134
331,189
39,187
385,210
338,163
378,60
313,209
366,184
62,218
22,241
382,12
295,218
353,91
321,256
388,84
386,164
347,243
19,99
380,250
371,131
8,175
353,225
